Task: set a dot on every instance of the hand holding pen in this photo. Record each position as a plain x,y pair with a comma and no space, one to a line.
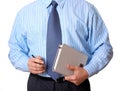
36,65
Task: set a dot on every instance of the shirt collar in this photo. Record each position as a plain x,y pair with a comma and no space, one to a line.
47,2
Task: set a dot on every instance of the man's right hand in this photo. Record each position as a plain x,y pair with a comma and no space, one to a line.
36,65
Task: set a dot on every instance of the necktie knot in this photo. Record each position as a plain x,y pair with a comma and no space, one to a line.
54,4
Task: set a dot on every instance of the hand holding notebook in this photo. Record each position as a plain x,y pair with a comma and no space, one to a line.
68,55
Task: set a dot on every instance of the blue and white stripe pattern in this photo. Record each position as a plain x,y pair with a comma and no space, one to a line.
82,28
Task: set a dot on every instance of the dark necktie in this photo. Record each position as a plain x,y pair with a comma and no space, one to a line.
53,39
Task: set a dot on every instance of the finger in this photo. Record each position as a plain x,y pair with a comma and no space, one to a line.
37,66
70,78
39,61
40,68
32,65
37,72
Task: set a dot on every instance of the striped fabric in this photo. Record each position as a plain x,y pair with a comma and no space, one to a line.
82,28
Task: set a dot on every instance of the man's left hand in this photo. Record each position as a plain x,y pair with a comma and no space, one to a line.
79,75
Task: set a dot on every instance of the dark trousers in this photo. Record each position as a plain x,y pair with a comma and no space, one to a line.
37,83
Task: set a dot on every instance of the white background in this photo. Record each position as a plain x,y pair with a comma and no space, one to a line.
14,80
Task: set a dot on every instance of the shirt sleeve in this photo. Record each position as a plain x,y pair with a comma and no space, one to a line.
18,53
100,47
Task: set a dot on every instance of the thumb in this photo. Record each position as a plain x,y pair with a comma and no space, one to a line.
71,67
38,57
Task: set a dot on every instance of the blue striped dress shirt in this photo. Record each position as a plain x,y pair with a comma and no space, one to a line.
82,28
